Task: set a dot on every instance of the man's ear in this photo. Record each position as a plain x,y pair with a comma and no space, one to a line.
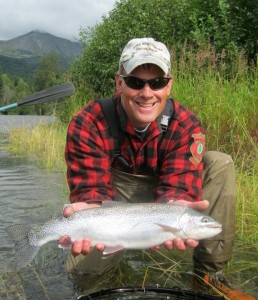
169,86
118,83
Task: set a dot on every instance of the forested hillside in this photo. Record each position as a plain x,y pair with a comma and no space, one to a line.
33,62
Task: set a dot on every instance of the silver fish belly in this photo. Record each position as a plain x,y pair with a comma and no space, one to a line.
116,225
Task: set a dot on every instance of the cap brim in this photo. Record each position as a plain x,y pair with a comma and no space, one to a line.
133,63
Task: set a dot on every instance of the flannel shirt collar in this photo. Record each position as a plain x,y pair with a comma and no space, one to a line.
158,124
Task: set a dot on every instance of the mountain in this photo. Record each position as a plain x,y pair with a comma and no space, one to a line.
21,55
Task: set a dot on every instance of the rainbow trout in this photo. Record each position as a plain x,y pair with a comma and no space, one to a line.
117,225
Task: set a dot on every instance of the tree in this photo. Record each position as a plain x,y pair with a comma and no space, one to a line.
229,25
47,75
1,87
7,89
48,72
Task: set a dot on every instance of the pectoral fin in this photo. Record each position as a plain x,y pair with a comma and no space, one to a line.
169,228
65,247
110,250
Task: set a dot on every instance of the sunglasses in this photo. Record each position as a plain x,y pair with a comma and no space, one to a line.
138,83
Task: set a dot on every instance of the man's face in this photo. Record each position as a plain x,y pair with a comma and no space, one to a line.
143,106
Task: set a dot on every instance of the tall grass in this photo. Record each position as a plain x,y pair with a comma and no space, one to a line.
224,98
43,143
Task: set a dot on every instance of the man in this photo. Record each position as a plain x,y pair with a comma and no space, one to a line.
157,155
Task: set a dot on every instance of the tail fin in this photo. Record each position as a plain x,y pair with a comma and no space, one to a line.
24,251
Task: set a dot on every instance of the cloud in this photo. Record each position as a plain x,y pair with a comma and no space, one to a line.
63,18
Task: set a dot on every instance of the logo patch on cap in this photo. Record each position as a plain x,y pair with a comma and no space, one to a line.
197,148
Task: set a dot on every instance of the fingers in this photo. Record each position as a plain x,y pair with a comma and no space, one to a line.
100,247
65,241
77,247
81,247
155,248
68,211
199,205
84,247
168,245
191,243
71,208
180,244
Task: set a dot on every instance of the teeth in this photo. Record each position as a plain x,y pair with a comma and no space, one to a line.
146,104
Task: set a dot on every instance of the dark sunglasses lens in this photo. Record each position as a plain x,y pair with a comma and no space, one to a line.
138,83
134,82
158,83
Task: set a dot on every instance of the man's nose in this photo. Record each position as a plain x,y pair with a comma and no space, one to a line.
146,91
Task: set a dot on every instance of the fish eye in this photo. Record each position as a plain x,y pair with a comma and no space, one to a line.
205,219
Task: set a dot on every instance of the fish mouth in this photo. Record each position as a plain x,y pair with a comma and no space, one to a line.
215,229
212,225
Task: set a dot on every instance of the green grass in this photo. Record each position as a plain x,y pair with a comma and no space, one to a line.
45,144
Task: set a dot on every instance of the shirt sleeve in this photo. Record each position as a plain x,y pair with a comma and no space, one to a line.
180,175
88,165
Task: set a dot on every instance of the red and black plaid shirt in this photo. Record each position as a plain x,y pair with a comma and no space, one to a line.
89,151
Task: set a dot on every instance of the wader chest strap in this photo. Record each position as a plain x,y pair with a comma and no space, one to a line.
111,116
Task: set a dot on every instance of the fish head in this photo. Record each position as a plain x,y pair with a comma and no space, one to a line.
197,226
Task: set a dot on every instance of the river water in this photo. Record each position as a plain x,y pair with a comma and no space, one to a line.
29,194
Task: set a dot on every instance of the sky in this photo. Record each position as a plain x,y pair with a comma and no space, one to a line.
63,18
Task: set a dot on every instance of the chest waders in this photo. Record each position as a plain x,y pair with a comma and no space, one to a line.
219,188
133,188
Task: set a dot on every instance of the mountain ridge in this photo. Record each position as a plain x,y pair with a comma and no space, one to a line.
21,54
38,42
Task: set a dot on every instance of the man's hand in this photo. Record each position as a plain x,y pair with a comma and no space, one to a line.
178,243
80,246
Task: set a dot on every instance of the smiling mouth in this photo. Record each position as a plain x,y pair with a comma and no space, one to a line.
146,104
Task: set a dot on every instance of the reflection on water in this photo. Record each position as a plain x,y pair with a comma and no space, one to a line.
31,195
